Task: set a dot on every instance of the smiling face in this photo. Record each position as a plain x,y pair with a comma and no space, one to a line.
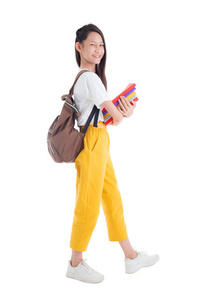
91,51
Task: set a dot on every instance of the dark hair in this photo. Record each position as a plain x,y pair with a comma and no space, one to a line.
81,35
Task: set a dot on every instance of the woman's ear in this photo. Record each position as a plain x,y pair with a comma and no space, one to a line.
78,46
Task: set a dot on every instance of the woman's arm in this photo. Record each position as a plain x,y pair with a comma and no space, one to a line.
113,111
125,109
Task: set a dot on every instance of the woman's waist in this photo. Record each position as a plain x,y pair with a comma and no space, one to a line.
100,124
84,117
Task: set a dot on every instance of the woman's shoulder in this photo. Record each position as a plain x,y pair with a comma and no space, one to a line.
89,75
89,80
91,87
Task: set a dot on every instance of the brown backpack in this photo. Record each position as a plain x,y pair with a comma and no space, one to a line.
63,140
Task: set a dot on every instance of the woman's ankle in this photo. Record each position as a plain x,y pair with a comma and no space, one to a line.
74,263
131,255
129,252
76,258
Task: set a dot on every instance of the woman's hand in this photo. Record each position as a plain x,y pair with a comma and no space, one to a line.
125,107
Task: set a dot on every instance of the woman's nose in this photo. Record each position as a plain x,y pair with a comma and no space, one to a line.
97,49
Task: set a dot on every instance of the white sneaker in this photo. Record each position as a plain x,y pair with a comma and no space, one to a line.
84,273
142,260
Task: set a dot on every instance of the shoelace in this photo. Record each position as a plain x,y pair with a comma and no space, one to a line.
140,252
86,267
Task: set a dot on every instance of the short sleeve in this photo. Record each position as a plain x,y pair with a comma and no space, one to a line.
95,88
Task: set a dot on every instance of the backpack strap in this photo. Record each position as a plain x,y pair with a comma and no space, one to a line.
71,91
96,117
95,110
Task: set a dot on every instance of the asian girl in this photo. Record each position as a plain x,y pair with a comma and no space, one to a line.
96,181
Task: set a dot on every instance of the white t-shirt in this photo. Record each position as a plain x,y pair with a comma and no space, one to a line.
89,90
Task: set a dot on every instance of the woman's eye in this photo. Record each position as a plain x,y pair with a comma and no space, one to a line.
100,45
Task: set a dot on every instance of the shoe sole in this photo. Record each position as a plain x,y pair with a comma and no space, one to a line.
84,280
140,267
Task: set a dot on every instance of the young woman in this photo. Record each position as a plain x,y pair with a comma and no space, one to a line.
96,181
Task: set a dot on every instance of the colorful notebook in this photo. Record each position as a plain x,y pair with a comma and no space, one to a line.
130,95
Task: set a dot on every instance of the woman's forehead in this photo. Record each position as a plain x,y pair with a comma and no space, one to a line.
94,37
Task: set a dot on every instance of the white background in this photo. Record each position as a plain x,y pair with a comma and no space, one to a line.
155,153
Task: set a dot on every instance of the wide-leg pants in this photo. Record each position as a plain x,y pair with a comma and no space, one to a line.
96,183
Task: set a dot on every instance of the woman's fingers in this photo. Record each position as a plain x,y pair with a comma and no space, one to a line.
125,107
124,104
121,111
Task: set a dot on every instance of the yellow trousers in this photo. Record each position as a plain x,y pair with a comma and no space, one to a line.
96,183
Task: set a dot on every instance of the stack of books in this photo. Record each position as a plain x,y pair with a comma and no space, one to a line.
130,95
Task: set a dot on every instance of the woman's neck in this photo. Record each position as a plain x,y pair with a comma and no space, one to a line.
90,67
